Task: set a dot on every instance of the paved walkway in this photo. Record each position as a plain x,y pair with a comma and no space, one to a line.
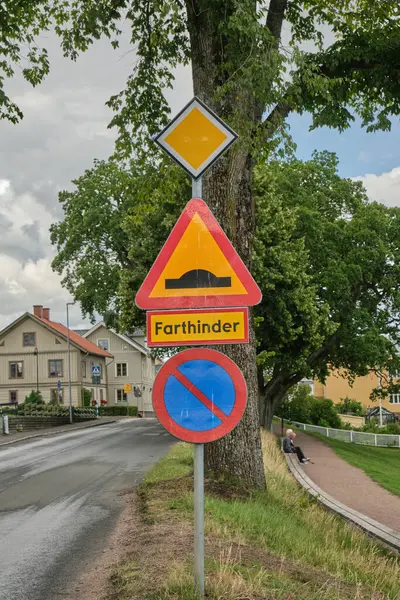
348,484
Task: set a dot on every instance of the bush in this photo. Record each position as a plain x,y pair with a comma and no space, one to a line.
118,411
393,428
9,410
373,427
347,406
297,408
323,412
86,397
34,398
306,408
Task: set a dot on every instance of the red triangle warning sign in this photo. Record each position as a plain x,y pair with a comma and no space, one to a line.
197,267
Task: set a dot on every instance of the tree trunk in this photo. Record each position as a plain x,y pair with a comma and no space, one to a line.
273,394
227,190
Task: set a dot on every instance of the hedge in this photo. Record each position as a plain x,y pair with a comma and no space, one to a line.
118,411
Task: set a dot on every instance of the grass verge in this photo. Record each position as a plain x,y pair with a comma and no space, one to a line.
381,464
274,545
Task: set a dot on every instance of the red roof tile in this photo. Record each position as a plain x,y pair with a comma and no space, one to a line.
77,339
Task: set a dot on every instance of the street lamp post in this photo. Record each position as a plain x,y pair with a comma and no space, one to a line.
69,364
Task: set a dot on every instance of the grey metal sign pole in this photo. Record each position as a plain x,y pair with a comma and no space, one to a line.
197,192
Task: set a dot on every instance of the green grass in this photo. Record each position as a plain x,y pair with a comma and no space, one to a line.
278,544
381,464
178,463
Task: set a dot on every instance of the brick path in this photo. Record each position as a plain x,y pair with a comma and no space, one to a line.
349,484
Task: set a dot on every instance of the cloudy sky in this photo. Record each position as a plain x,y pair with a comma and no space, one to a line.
65,128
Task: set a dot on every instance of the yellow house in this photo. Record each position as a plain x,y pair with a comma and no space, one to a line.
34,356
337,387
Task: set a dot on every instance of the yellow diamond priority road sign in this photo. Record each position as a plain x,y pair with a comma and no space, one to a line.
196,138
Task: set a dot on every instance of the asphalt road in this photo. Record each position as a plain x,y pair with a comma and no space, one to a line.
59,501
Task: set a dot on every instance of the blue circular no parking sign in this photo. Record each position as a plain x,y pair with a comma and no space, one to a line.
199,395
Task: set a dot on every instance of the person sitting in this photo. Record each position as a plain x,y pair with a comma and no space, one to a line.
290,448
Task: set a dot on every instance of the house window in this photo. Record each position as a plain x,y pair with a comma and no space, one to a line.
57,397
103,344
2,343
122,369
101,394
16,370
13,396
92,393
83,368
121,396
55,368
29,339
58,341
394,399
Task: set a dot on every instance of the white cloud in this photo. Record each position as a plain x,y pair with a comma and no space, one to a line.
383,188
34,100
24,222
63,130
24,284
26,276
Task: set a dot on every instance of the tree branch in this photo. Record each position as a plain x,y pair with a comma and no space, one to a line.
276,15
324,349
275,118
282,110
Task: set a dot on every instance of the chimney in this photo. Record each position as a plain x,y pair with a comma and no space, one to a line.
38,310
46,314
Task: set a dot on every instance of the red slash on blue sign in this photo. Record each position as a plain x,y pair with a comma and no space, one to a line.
199,395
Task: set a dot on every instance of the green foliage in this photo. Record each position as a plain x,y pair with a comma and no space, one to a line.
327,261
350,407
34,398
118,411
302,407
358,73
323,412
372,426
297,406
9,410
115,223
341,310
86,397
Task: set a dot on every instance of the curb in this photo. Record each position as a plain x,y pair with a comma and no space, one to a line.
46,433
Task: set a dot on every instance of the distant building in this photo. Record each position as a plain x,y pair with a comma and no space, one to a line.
133,366
33,356
337,387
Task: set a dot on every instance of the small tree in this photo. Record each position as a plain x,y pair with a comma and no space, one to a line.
323,413
297,405
34,398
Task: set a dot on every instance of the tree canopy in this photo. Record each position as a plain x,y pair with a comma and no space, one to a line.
326,259
353,67
340,308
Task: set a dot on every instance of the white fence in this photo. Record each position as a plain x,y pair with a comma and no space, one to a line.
356,437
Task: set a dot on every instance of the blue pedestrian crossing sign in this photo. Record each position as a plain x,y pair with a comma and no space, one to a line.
96,370
199,395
